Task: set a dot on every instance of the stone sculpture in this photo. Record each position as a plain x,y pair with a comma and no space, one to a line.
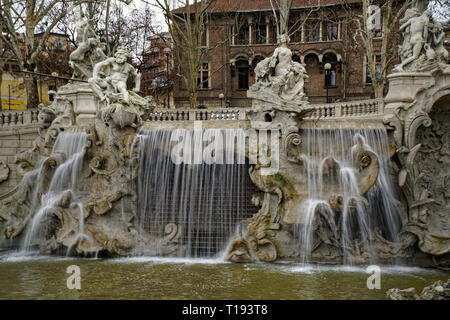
422,48
266,236
96,214
99,214
279,79
112,84
109,83
4,171
89,52
417,113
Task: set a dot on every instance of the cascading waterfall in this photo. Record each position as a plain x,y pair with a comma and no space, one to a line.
359,219
199,200
71,147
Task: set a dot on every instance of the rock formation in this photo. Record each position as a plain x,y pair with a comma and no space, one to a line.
439,290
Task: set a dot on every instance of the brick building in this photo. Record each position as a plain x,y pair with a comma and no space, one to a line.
154,80
318,36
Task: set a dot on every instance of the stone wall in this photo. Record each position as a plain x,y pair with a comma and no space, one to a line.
18,130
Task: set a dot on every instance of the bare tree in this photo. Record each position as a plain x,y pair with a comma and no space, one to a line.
132,30
129,26
94,11
187,27
380,41
25,16
3,50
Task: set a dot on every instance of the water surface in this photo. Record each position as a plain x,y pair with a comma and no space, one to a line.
44,277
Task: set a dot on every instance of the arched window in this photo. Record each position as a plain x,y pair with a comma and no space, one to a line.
256,60
243,74
311,61
244,34
313,70
330,76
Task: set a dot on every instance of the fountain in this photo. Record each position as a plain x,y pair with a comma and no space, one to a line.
193,206
110,176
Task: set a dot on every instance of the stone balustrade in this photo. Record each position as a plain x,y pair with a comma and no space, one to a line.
349,109
13,118
197,114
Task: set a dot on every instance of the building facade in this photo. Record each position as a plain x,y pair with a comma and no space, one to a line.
157,70
53,60
247,33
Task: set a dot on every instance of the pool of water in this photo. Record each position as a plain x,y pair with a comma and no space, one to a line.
44,277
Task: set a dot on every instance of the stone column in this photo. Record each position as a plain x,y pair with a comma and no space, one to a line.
250,30
267,29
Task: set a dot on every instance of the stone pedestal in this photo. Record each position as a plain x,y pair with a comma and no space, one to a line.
84,100
404,87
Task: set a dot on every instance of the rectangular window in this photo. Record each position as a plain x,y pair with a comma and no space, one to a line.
368,76
243,78
295,30
203,76
274,34
244,35
261,34
377,60
205,37
331,79
332,31
313,31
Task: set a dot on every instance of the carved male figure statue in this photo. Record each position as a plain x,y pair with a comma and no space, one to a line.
114,81
405,50
418,29
89,51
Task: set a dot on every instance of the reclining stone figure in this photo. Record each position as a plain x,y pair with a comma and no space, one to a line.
114,83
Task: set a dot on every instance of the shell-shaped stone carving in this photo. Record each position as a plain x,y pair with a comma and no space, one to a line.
293,145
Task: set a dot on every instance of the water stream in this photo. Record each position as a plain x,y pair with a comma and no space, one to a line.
199,201
359,219
70,148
